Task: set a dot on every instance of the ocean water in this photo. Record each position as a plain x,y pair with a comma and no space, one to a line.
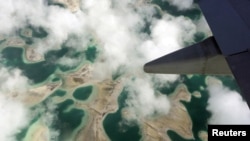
113,128
166,6
37,72
196,109
83,93
69,118
197,106
59,92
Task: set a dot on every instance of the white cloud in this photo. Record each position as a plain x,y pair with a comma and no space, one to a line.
14,117
168,35
202,26
116,27
60,23
143,101
181,4
17,13
163,80
57,21
68,62
226,106
12,81
14,114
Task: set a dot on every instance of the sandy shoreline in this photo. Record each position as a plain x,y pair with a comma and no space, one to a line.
177,120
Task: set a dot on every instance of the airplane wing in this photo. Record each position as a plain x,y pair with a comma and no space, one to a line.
225,53
201,58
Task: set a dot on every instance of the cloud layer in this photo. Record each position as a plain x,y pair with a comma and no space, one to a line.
118,29
142,101
226,106
14,114
14,117
181,4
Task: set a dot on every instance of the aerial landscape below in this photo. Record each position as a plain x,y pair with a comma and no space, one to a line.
72,70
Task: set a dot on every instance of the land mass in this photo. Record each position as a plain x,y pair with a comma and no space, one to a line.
178,120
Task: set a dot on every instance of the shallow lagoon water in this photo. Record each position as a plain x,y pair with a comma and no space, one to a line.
83,93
